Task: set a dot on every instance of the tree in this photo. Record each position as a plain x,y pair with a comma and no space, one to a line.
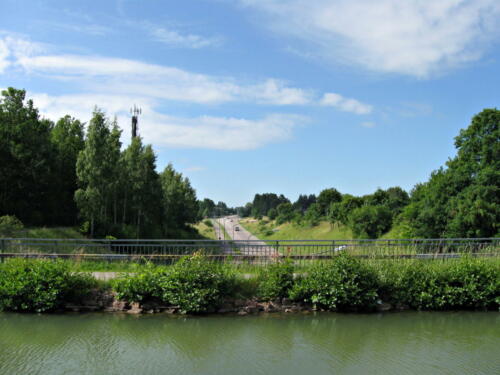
340,211
370,221
303,202
313,214
68,139
179,201
95,169
326,198
285,213
26,160
463,199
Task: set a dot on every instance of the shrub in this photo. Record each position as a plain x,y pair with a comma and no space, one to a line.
208,223
276,280
141,286
465,284
342,284
40,285
9,225
196,285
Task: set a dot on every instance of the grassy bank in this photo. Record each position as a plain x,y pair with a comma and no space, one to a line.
206,231
269,230
196,285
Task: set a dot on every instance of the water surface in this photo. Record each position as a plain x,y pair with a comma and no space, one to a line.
393,343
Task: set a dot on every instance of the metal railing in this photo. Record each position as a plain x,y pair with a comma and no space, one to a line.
250,251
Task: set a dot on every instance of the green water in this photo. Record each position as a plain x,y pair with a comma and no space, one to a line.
395,343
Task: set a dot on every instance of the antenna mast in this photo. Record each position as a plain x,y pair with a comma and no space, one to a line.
135,112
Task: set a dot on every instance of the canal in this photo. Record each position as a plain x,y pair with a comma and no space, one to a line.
323,343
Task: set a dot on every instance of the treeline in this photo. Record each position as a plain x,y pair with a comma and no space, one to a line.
461,199
63,174
208,208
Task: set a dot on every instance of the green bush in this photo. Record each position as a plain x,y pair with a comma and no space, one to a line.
208,223
276,280
9,225
462,284
140,286
342,284
40,285
196,285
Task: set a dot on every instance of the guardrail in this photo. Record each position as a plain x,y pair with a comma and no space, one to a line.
250,251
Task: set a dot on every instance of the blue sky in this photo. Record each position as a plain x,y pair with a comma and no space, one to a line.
252,96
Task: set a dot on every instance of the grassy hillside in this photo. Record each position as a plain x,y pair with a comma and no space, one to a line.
289,231
205,231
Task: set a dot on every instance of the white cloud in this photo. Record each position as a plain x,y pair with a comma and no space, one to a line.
114,84
4,54
345,104
223,133
123,75
413,37
276,92
118,76
175,38
209,132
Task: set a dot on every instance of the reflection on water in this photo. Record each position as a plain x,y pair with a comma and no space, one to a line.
395,343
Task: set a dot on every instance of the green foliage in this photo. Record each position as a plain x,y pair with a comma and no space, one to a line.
9,225
343,284
340,211
285,213
326,198
194,284
462,200
179,200
313,214
140,286
27,161
272,213
276,280
67,137
262,203
462,284
370,221
208,223
40,285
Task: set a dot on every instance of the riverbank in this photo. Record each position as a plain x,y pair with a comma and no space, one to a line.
194,285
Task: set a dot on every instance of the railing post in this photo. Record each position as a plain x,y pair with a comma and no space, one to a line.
2,248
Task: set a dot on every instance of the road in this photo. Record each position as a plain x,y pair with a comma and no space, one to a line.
251,245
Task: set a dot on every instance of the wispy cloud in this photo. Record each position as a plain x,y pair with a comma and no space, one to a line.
114,83
345,104
177,38
122,75
4,54
413,37
208,132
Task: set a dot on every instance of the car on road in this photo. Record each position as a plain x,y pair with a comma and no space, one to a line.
236,229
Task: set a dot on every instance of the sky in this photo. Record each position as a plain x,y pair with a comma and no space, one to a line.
255,96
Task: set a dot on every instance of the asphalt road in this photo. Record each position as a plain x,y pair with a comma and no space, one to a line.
251,246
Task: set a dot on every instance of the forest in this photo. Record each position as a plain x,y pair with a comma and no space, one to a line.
69,174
